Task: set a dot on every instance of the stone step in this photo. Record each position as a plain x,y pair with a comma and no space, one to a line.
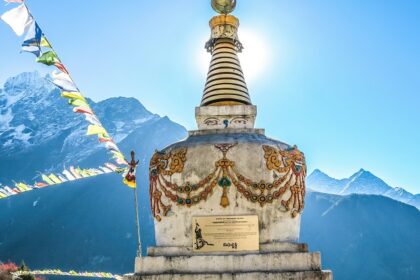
275,247
268,262
299,275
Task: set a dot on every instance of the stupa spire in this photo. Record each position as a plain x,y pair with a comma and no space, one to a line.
225,103
225,83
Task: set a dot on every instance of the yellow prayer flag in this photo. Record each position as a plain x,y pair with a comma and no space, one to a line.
22,187
47,180
72,95
54,178
44,43
96,129
117,154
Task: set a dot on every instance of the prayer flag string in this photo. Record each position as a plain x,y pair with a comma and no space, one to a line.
22,22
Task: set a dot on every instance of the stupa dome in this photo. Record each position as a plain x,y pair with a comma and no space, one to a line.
226,167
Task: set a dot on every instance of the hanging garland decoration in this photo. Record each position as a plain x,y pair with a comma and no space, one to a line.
289,163
22,22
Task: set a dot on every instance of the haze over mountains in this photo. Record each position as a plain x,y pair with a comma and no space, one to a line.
89,224
361,182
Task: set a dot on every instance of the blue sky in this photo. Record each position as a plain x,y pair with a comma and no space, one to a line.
341,79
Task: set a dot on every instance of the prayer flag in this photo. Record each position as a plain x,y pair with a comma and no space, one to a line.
92,119
13,1
119,158
105,169
111,146
19,19
54,178
63,81
78,103
41,185
75,173
32,40
121,161
118,155
68,175
22,187
90,172
111,166
95,129
47,180
48,58
82,172
104,139
72,95
45,43
62,178
4,192
83,110
61,67
32,49
33,36
9,190
97,171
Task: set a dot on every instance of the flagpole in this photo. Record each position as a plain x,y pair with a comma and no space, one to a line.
137,223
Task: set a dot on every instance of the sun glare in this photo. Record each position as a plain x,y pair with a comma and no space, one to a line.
254,57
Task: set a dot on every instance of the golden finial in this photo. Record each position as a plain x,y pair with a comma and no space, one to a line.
223,6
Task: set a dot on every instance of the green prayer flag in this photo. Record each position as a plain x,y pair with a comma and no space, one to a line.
48,58
77,102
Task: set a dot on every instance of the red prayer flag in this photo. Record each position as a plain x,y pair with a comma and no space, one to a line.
61,67
82,110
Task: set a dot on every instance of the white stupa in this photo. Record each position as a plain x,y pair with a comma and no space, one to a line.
227,168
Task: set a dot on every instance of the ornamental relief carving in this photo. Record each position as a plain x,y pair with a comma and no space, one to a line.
288,167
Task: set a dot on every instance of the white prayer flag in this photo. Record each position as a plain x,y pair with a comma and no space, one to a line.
92,119
63,81
18,19
13,1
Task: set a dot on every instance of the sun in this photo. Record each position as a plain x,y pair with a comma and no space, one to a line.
254,57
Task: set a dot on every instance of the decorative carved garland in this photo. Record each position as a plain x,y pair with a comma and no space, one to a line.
289,163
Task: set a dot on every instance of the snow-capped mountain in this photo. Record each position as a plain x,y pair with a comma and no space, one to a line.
40,133
361,182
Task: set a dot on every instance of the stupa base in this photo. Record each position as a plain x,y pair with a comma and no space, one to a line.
280,260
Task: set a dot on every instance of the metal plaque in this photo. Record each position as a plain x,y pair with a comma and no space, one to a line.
225,233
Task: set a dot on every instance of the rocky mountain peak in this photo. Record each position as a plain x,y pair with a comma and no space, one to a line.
39,131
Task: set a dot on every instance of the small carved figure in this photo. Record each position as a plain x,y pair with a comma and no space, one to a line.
130,176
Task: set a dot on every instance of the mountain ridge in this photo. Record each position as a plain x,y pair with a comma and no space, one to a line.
361,182
40,133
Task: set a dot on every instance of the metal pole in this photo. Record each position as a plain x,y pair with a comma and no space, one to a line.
137,223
